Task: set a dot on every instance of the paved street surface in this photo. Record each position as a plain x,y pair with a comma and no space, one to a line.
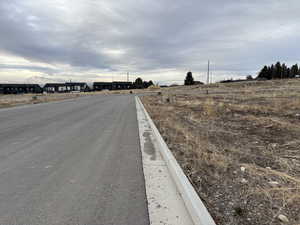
72,162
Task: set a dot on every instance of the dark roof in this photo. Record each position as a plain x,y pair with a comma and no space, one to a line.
114,82
233,81
65,84
100,83
54,85
75,83
198,82
20,85
122,82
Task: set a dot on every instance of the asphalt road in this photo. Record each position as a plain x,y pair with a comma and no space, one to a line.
72,162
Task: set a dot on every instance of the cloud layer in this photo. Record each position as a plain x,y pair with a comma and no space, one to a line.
90,39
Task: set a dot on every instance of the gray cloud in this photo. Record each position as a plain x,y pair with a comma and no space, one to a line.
142,36
30,68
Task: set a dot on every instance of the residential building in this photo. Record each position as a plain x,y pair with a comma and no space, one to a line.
55,87
116,85
20,88
78,86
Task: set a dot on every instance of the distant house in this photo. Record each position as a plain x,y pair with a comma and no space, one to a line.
198,82
78,86
55,87
122,85
233,81
66,87
116,85
99,86
20,88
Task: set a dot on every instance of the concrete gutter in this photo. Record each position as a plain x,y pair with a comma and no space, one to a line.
165,203
197,210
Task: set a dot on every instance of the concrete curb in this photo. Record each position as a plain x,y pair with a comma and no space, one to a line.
193,203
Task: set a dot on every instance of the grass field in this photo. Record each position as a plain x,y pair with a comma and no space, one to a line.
239,144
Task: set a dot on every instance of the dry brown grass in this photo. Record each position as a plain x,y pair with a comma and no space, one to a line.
254,126
22,99
13,100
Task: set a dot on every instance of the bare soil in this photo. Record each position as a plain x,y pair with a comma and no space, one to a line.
239,144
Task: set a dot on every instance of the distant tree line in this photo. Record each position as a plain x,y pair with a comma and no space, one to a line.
140,84
278,71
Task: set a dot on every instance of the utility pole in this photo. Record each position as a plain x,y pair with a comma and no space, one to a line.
208,72
127,76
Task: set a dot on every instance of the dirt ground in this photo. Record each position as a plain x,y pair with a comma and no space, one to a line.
239,144
23,99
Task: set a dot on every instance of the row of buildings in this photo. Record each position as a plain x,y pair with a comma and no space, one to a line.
64,87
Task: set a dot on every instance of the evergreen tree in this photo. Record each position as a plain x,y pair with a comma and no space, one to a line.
249,77
273,72
284,71
189,80
139,83
264,73
147,84
289,73
294,70
278,70
269,73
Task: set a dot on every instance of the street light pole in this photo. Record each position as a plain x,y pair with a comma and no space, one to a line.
208,72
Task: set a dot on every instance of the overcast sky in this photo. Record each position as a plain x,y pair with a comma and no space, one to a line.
160,40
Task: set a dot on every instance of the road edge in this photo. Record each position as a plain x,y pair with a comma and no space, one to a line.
193,203
168,209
